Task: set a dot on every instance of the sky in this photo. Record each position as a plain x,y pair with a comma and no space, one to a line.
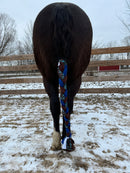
104,16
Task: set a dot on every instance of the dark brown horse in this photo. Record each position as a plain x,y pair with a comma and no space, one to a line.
62,31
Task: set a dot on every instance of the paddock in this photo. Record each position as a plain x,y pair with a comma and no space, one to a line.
100,122
100,127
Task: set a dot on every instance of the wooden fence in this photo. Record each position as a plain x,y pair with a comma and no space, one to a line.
33,67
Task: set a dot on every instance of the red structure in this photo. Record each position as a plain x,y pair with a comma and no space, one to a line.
109,68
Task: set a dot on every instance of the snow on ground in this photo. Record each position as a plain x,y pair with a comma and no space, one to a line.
100,128
105,84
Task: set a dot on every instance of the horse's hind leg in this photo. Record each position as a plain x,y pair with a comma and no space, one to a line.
52,91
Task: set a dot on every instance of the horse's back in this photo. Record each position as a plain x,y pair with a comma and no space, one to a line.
75,35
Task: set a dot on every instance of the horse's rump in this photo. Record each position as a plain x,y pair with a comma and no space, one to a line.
62,30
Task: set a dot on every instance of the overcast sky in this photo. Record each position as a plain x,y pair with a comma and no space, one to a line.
104,16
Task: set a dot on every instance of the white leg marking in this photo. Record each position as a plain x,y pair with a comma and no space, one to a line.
56,144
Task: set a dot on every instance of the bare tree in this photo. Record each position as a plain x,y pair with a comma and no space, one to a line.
26,46
7,35
111,56
126,21
126,41
96,45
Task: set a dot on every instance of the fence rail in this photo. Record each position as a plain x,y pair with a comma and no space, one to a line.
33,67
81,91
84,79
111,50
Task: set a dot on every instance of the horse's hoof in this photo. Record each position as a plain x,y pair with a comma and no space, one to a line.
56,144
68,144
56,148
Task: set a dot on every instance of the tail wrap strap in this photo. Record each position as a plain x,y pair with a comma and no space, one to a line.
62,72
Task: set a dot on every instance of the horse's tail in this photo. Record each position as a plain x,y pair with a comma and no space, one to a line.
62,28
63,41
67,142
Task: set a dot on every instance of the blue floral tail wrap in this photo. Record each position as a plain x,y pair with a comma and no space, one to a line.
67,142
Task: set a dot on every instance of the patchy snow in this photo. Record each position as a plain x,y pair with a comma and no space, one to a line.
105,84
100,128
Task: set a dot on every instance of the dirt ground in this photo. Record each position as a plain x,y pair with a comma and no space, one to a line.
100,128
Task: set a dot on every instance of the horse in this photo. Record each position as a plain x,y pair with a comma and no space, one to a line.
62,41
